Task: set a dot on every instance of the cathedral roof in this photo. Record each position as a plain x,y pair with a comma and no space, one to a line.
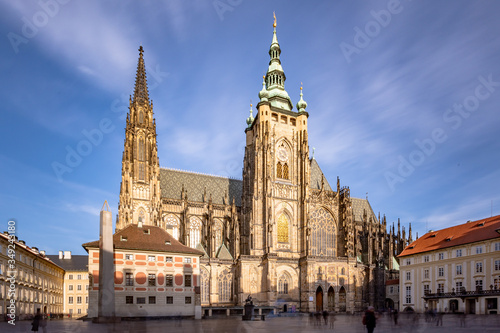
198,185
461,234
146,238
317,177
358,209
223,253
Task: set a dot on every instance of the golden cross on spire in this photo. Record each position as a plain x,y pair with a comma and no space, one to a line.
274,24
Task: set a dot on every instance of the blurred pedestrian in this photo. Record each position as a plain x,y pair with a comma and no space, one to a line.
36,321
325,316
332,320
369,319
395,316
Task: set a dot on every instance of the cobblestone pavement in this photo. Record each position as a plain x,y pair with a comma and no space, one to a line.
343,323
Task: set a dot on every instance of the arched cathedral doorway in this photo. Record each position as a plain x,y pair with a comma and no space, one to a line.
319,299
331,299
342,300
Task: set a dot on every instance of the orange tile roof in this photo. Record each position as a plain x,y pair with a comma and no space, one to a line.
391,282
461,234
146,238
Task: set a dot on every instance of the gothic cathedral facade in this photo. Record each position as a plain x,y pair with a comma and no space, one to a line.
281,234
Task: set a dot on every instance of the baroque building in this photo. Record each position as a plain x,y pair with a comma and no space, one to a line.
282,234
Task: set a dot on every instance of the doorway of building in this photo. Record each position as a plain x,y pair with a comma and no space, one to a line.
470,306
331,299
319,299
453,305
342,302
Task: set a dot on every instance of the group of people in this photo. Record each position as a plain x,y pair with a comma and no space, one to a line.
317,318
39,322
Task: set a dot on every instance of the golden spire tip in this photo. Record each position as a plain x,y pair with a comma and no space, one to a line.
274,24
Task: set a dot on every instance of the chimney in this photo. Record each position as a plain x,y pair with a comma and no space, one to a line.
67,255
35,249
61,255
42,252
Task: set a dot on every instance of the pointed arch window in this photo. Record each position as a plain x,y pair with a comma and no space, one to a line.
283,284
279,170
205,287
141,171
194,232
225,286
141,117
141,149
172,226
283,228
285,171
218,233
322,241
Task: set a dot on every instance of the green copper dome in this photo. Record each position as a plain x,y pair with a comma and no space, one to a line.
301,104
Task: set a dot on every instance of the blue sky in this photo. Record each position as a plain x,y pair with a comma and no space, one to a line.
402,96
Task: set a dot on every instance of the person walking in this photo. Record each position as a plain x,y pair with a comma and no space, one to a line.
36,322
395,317
369,319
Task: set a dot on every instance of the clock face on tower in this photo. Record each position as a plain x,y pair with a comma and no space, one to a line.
282,154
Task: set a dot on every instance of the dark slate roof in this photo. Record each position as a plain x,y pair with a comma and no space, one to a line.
76,263
317,176
358,208
172,181
146,238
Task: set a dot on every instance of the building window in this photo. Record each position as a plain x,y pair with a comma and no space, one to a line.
187,260
408,294
129,299
129,279
170,300
441,256
79,311
168,259
459,269
151,258
70,276
279,170
283,229
427,290
70,287
408,276
151,280
440,271
187,280
169,278
479,267
391,290
187,300
283,285
479,285
440,288
426,273
497,246
408,262
152,299
79,287
205,286
459,253
285,171
479,249
86,300
458,286
70,300
79,300
496,284
129,257
141,300
172,226
194,232
426,258
225,286
497,265
87,287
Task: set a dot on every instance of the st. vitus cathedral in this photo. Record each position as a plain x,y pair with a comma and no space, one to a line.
282,234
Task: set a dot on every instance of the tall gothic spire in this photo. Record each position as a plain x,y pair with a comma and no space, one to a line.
141,94
275,76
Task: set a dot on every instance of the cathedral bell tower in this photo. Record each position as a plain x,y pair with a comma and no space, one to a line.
140,186
275,168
